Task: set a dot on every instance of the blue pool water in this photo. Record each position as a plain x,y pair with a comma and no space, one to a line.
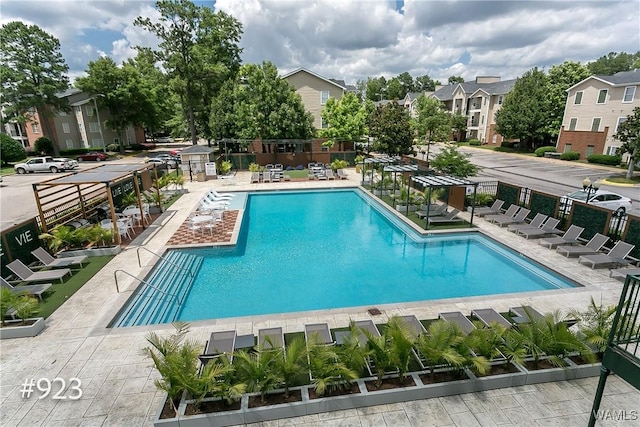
302,251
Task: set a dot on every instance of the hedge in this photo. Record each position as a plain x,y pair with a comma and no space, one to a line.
474,142
604,159
570,155
540,151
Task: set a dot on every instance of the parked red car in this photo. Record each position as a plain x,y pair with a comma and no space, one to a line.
92,155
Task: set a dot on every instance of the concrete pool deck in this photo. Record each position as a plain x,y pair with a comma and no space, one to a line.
117,379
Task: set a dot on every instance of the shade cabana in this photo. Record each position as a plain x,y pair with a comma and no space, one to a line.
82,194
377,161
443,181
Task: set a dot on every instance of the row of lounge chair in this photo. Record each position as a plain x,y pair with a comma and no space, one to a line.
25,274
568,244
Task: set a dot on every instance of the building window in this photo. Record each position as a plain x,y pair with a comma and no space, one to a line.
567,148
94,127
572,123
96,142
89,110
578,98
602,96
590,150
620,121
485,101
66,128
612,150
595,125
69,143
482,119
500,98
35,128
629,94
324,97
116,141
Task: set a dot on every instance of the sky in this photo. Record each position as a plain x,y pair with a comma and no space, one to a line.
353,40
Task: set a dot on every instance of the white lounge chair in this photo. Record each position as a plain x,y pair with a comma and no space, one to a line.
50,261
25,274
616,256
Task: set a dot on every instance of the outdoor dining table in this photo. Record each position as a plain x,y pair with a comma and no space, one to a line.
201,219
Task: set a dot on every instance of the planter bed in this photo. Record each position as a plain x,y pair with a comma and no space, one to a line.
15,329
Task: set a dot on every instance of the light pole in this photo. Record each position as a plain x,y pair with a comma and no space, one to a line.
95,104
589,187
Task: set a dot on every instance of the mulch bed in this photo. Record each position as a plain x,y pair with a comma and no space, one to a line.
442,377
581,360
167,410
353,389
390,384
209,407
500,370
542,364
275,399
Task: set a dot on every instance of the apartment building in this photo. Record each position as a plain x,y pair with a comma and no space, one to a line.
595,108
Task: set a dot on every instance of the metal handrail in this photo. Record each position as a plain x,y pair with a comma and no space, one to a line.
162,258
115,276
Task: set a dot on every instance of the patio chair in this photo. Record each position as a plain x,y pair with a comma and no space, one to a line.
329,174
570,237
536,222
271,338
509,213
616,256
255,177
318,333
593,246
449,218
220,343
494,209
342,174
216,195
25,274
266,176
525,314
518,218
367,325
35,290
624,272
549,227
437,210
459,319
489,317
50,261
414,326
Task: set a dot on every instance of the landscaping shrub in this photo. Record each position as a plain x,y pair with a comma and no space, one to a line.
540,151
43,145
11,150
570,155
74,152
133,147
604,159
113,147
475,142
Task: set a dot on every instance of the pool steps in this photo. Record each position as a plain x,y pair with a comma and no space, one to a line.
161,302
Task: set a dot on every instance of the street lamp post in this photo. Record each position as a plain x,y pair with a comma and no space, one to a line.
589,187
95,104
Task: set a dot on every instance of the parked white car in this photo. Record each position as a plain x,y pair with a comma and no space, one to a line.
42,164
71,164
602,198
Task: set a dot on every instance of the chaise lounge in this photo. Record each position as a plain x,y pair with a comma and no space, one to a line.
35,290
549,227
449,218
318,333
25,274
220,343
459,319
570,237
536,223
50,261
270,338
616,256
490,317
593,246
494,209
525,314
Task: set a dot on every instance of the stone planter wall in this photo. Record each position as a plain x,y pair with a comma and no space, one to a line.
109,250
13,330
371,398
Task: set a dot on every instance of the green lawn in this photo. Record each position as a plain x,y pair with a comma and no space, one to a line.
60,292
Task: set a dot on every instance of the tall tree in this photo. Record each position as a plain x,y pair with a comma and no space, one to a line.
264,106
525,111
406,81
395,89
33,72
562,77
459,125
122,91
613,63
347,120
450,161
199,50
425,84
390,126
433,122
376,88
10,150
629,134
455,79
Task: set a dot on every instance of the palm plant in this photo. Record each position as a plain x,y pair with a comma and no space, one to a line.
259,370
381,355
217,379
351,352
328,372
513,347
294,363
472,360
438,345
25,306
7,301
174,358
59,238
401,345
595,324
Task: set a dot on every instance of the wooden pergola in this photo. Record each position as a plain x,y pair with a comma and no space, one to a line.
81,194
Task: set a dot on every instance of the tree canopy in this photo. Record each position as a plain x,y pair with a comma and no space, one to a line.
199,50
449,161
525,113
33,73
390,126
455,79
433,122
346,119
614,62
11,150
560,78
379,88
629,134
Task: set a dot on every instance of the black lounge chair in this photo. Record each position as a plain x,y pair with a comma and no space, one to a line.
489,317
219,344
35,290
459,319
318,333
525,314
271,338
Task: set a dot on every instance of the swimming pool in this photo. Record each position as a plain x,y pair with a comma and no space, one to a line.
315,250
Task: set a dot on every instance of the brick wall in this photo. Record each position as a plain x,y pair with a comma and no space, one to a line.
580,140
